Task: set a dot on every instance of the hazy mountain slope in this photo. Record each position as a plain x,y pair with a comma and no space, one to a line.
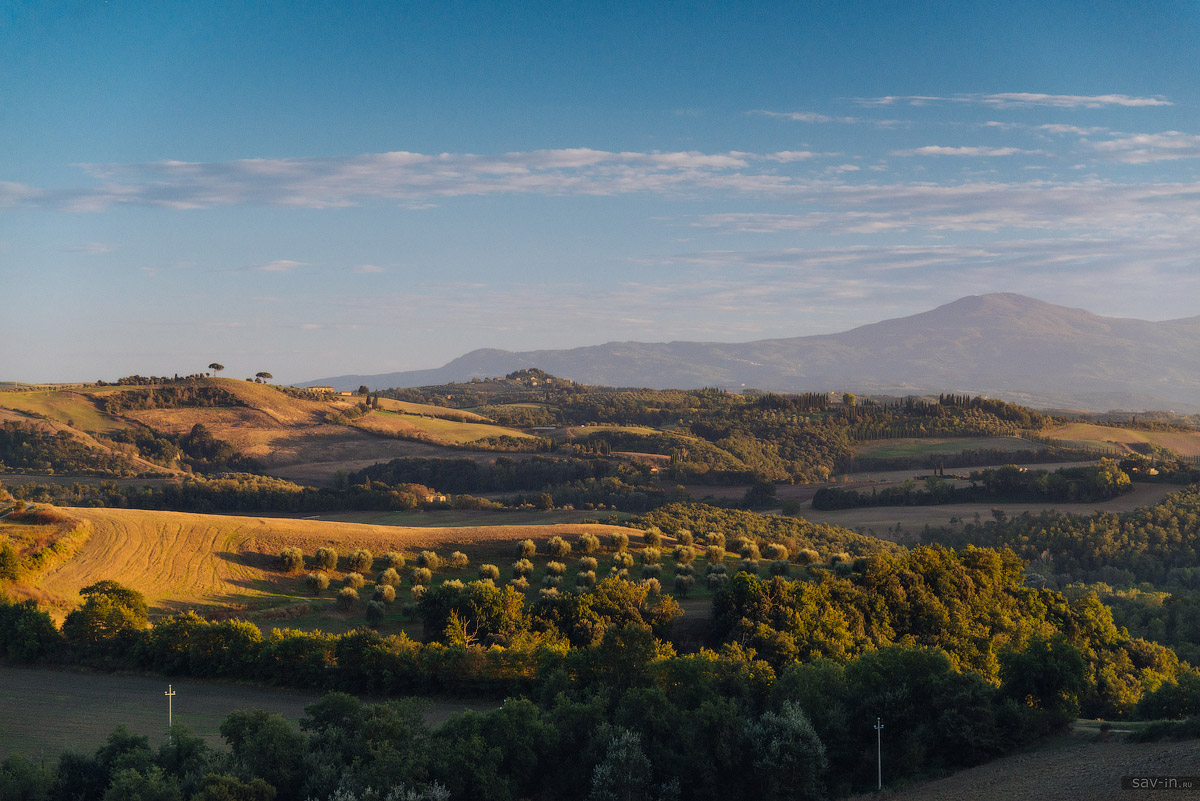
1002,344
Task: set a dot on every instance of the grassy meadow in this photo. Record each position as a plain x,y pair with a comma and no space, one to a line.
44,712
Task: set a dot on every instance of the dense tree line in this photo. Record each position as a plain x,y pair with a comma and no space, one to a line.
622,715
1087,484
1157,543
973,605
29,448
173,396
197,450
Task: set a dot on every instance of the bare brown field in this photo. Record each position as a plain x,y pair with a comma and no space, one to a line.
213,562
1077,769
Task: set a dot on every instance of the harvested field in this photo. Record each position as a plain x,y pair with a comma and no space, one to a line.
407,407
45,712
453,432
214,562
1076,770
1126,440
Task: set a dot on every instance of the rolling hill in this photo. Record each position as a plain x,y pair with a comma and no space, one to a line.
1001,345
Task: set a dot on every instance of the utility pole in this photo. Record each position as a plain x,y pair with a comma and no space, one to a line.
879,749
170,693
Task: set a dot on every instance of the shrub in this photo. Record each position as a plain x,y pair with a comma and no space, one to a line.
489,572
317,582
684,554
354,580
684,570
526,549
589,543
684,537
326,559
651,571
586,578
651,556
749,550
839,558
389,576
360,561
417,592
558,547
519,583
684,584
458,560
548,593
715,538
653,586
622,559
421,576
375,611
777,552
454,584
384,593
588,563
394,559
780,567
807,556
715,554
429,560
551,581
522,567
621,573
715,570
653,537
716,580
748,566
556,568
619,540
291,560
347,597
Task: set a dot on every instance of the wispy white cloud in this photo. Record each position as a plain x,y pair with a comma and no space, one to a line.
1055,128
1143,148
368,268
985,152
1096,208
14,194
92,248
280,266
1020,99
416,178
821,119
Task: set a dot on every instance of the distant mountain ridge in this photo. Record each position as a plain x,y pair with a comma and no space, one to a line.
1002,345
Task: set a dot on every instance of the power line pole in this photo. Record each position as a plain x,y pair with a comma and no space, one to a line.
879,750
170,693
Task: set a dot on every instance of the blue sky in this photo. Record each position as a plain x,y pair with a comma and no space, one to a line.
318,189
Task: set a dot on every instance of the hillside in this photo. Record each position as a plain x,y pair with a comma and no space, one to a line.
181,560
1001,345
276,429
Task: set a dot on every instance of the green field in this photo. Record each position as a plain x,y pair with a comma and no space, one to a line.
45,712
890,448
73,408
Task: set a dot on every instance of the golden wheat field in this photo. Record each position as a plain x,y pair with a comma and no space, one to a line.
181,560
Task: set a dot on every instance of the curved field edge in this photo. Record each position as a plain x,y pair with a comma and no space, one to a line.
180,560
1079,769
